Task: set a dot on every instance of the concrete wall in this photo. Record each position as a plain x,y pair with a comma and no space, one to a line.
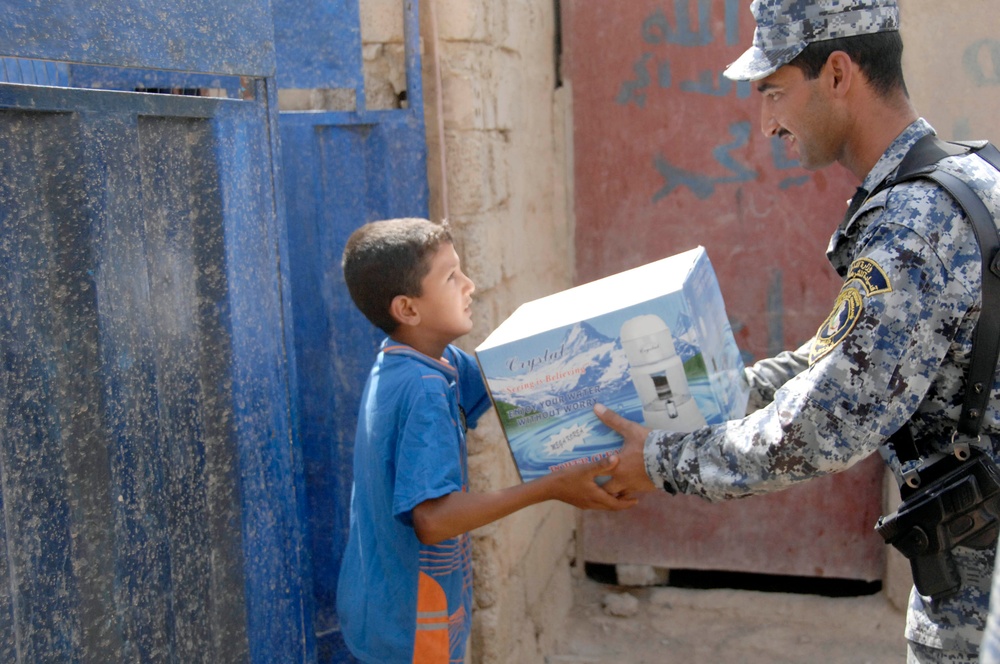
497,127
496,122
952,65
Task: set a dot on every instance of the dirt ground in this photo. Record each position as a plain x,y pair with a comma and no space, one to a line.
722,626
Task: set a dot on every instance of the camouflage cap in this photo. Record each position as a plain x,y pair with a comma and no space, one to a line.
786,27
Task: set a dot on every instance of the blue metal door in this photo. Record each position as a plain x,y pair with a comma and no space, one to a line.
147,464
342,168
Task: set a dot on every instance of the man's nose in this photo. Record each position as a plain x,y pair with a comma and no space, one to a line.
768,124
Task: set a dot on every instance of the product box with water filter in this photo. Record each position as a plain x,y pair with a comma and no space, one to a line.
653,343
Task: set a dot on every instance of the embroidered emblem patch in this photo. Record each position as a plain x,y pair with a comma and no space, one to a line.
846,311
871,275
864,279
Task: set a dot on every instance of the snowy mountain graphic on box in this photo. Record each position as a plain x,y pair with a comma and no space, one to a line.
652,343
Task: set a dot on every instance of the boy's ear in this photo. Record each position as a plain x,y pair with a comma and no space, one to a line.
404,311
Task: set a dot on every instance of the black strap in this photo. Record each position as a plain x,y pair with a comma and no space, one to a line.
923,158
986,337
919,162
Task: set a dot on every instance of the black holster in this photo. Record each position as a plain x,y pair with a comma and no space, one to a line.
957,504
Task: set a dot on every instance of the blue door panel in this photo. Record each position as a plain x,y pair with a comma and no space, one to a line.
334,344
341,176
339,171
183,35
146,456
100,398
34,72
318,44
49,347
261,400
160,446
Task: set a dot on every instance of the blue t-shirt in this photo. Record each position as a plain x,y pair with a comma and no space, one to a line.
397,599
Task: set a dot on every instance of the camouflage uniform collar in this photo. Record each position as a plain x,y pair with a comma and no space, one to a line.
840,251
893,156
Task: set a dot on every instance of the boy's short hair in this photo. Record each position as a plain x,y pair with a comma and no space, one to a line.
387,258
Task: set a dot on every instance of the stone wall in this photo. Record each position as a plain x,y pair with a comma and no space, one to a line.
504,162
496,127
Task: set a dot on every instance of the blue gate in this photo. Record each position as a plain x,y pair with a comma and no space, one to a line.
341,168
147,464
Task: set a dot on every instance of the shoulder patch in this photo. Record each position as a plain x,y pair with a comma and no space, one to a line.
864,279
845,314
871,275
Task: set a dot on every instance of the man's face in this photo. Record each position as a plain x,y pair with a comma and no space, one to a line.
799,111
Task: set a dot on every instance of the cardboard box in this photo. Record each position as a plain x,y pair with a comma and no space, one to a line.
653,343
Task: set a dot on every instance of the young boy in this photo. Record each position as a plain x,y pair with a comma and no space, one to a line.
405,588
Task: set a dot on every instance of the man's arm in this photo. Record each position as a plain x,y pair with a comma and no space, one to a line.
767,376
459,512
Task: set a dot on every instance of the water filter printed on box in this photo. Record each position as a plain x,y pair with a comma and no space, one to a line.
653,343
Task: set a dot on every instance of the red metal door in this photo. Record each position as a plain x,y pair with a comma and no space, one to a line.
669,155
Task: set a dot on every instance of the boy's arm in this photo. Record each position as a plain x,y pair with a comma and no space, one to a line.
459,512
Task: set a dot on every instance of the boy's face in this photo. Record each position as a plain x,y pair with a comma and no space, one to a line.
445,303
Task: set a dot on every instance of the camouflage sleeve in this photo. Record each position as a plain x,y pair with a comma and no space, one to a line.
901,310
989,649
766,376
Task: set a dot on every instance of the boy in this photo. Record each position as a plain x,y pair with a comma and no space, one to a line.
405,588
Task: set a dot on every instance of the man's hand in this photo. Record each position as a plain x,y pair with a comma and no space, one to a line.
577,486
629,477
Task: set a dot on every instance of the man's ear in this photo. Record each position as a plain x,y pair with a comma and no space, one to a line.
403,309
841,69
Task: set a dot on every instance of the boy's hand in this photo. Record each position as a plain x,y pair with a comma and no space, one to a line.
577,486
630,476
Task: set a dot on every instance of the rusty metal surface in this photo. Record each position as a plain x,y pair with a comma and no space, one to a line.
821,529
669,155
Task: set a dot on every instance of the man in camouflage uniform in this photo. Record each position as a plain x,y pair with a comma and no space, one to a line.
894,351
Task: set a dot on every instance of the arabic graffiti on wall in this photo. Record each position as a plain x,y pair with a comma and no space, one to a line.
654,71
